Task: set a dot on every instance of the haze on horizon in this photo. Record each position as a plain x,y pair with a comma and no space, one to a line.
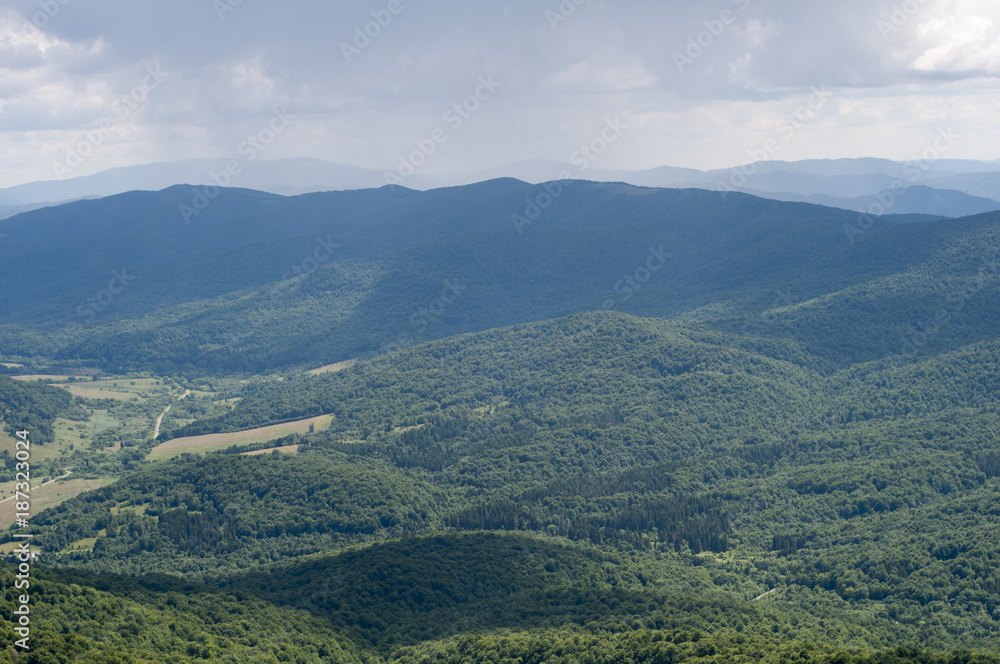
88,86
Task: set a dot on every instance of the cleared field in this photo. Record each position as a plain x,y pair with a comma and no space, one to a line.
88,392
68,432
11,365
52,450
332,368
86,544
136,509
290,449
120,389
220,441
50,495
14,546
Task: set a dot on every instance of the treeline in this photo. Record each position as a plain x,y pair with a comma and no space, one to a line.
33,406
110,620
664,647
227,510
680,523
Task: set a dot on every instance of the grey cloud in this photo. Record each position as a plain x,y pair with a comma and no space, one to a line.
562,76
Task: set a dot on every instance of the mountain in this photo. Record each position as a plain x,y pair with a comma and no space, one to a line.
918,199
258,281
575,476
588,422
280,176
7,211
986,185
289,177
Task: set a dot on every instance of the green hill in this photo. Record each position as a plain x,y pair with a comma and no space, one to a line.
262,282
863,497
778,445
32,406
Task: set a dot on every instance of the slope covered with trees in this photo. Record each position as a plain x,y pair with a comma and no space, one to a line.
687,466
261,282
32,406
791,456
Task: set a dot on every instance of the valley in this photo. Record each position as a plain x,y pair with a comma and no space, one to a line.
773,447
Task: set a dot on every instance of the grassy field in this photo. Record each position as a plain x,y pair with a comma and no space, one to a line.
136,399
50,495
116,388
220,441
290,449
64,438
332,368
137,509
14,546
85,544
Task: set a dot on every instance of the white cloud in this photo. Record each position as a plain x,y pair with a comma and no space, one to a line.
606,59
961,44
759,34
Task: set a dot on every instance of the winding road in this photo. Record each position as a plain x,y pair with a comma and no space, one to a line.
64,476
159,420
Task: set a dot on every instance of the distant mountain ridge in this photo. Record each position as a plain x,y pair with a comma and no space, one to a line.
258,281
833,180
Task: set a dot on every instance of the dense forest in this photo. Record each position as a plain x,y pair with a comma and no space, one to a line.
33,407
677,465
271,283
782,447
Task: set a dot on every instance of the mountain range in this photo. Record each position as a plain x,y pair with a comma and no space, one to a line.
140,282
962,187
550,422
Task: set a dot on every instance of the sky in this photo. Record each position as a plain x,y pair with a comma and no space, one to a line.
448,87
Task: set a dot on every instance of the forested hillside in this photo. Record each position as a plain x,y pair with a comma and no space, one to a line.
779,445
32,406
261,282
609,436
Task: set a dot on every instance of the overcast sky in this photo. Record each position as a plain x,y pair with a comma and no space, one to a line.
696,84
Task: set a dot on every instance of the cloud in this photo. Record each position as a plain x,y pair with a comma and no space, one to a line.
967,44
605,59
603,72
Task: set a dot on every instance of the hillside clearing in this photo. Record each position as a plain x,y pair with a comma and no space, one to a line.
220,441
